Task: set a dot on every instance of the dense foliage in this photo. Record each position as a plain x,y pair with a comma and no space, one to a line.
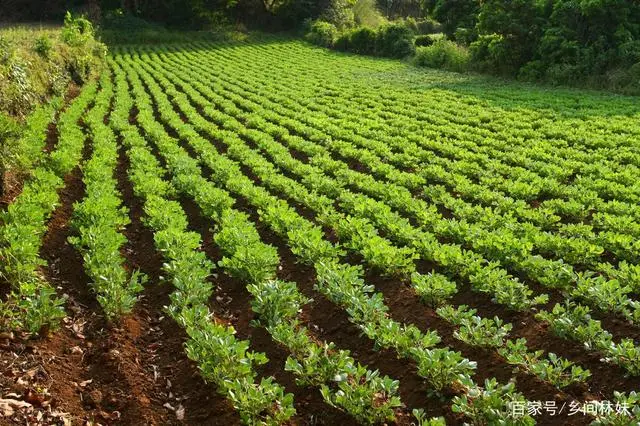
560,41
390,40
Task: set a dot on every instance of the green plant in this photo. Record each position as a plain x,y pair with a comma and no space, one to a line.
492,404
76,31
433,288
423,40
43,46
322,33
395,41
555,370
443,54
442,368
363,41
474,330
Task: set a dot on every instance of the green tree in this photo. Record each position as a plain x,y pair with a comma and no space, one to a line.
509,31
453,14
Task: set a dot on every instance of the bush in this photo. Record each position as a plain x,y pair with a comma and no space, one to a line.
428,26
322,33
77,31
363,41
465,36
423,40
443,54
42,46
395,41
343,42
561,73
532,71
495,54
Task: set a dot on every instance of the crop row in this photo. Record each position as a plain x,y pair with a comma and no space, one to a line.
100,217
222,358
33,304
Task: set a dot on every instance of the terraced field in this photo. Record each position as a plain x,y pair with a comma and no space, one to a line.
337,239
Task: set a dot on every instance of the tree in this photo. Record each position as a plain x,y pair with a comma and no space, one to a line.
453,14
509,32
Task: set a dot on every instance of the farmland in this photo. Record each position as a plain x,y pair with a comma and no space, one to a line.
290,235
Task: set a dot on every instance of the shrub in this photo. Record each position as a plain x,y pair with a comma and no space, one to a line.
322,33
495,53
428,26
363,40
395,41
42,46
561,73
343,42
77,31
532,71
443,54
465,36
423,40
